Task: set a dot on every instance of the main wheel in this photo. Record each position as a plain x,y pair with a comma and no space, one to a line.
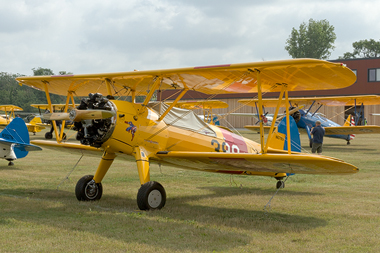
280,184
150,196
86,189
48,135
311,142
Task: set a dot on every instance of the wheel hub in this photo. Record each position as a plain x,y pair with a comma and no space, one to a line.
154,198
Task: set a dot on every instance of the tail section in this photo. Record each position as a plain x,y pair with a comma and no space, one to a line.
352,136
348,120
279,138
16,135
35,120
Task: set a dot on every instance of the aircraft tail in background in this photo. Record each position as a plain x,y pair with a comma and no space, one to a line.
15,142
279,139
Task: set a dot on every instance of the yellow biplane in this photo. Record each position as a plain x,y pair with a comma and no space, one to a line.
156,132
306,118
33,126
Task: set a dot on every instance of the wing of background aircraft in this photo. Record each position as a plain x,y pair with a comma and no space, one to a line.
174,136
9,114
328,101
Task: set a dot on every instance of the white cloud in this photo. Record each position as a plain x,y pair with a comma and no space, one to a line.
86,36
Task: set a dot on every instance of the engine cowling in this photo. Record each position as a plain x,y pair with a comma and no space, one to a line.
95,132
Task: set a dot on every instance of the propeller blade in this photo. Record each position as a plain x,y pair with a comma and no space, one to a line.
56,116
78,115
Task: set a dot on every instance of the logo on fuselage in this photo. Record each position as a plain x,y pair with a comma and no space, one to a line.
131,129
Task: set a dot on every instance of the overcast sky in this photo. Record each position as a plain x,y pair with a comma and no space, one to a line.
93,36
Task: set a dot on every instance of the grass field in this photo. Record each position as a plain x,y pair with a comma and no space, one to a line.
204,212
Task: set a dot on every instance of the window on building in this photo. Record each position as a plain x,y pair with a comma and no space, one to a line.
356,74
373,75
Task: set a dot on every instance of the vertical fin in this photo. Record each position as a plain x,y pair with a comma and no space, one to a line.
348,121
16,131
279,138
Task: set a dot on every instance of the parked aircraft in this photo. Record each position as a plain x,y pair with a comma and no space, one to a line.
34,126
151,132
46,114
306,118
14,141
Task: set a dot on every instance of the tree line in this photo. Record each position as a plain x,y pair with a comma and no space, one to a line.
11,93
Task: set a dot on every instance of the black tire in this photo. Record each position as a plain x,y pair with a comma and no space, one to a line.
151,196
48,136
64,136
280,184
311,143
87,190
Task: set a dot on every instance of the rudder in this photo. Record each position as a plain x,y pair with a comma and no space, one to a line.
279,138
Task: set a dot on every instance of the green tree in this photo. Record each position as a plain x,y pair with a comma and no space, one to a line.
363,49
42,72
313,40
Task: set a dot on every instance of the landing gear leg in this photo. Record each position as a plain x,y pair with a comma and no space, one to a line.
151,194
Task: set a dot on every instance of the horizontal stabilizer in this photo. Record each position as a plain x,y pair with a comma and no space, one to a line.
281,163
352,130
21,146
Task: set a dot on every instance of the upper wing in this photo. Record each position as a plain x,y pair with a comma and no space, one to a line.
352,130
298,74
328,101
201,104
278,163
10,108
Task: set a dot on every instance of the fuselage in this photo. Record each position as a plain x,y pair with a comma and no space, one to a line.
308,120
139,126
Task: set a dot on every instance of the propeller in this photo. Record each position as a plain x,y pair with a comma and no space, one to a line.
290,112
79,115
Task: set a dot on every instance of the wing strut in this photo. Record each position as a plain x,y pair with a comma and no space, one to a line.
58,137
288,123
275,116
174,103
260,97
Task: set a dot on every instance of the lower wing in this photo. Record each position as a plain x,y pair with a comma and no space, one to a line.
277,163
352,130
69,147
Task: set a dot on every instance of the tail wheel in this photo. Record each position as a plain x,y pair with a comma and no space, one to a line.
280,184
86,189
151,195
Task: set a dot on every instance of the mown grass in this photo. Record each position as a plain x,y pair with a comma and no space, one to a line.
205,212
